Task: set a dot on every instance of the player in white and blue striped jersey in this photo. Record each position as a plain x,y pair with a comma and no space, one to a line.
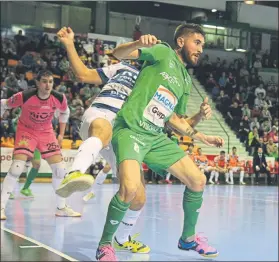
96,131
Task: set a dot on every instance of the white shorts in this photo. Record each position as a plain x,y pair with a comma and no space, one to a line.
235,168
88,117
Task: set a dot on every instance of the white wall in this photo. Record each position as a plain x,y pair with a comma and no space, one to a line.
224,55
258,16
205,4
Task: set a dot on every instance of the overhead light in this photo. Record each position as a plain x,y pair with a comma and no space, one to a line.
249,2
241,50
214,10
156,4
229,49
209,26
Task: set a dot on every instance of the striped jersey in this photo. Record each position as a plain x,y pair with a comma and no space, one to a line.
119,81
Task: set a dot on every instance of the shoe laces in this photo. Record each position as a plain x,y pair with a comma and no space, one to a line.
201,239
133,241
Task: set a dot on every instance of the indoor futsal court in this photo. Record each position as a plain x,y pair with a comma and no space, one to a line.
241,221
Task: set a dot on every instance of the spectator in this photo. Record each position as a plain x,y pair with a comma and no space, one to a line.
273,134
260,91
234,115
64,65
215,92
257,64
253,140
244,129
274,64
272,149
22,83
266,114
75,121
254,123
246,111
222,102
223,80
266,126
11,85
260,165
262,145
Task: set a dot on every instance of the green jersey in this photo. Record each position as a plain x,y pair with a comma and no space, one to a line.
162,87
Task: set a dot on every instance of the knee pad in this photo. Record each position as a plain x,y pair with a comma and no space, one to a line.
17,168
58,170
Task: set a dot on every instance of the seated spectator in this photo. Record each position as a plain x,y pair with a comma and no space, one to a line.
253,140
22,83
237,99
210,83
246,111
6,130
215,92
260,90
75,120
259,101
274,64
262,145
272,149
273,134
260,165
244,129
20,68
266,126
265,63
243,72
64,65
223,80
222,102
257,64
11,85
266,114
256,112
234,115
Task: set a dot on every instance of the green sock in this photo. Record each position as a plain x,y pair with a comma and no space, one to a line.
192,202
116,211
30,177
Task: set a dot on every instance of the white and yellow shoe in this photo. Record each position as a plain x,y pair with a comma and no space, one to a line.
66,212
88,196
242,183
132,245
74,182
3,215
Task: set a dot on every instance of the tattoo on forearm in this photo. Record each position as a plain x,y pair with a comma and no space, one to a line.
190,131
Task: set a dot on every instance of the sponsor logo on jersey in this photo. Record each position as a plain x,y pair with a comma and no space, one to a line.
138,140
166,98
153,109
125,76
41,116
23,142
170,79
149,127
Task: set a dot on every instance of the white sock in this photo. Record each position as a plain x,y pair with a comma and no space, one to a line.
241,176
58,173
8,186
99,180
211,176
216,176
168,176
87,154
231,176
227,177
126,225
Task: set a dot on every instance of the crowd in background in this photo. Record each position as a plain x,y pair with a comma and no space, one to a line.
248,104
23,57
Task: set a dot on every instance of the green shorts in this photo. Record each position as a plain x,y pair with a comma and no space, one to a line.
158,152
37,155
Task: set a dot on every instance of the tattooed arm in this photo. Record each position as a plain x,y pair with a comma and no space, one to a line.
181,126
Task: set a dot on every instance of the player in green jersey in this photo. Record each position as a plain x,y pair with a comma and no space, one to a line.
159,97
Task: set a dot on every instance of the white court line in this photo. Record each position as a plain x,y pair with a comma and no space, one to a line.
40,244
30,246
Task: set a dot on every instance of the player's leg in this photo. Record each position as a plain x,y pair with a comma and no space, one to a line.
32,174
241,176
99,180
50,151
123,240
96,132
181,166
232,170
212,174
129,149
25,145
217,177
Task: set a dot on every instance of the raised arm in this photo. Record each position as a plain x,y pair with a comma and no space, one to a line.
82,73
131,50
13,102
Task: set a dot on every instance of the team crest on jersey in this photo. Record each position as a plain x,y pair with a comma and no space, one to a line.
23,142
